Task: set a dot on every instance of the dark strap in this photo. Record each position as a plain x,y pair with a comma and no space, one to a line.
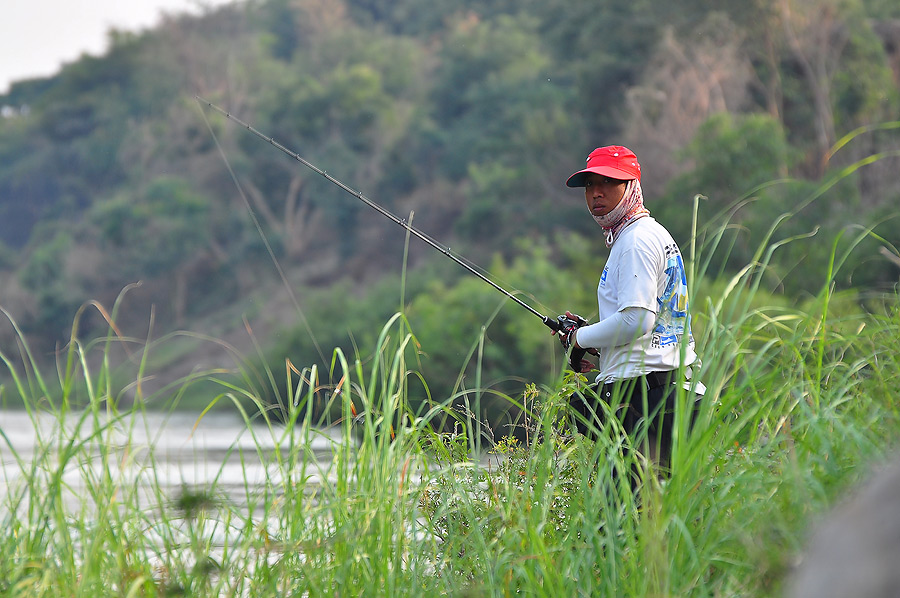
657,379
651,379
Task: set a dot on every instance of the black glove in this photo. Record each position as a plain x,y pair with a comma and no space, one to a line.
575,358
567,327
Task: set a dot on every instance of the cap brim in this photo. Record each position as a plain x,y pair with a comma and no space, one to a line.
577,179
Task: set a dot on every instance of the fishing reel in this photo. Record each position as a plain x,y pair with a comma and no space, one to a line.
567,323
567,327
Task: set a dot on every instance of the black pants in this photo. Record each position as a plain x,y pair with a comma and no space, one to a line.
649,398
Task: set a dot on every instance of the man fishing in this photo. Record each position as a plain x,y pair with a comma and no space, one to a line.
643,330
643,335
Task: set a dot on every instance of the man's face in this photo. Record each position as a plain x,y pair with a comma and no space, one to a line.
602,193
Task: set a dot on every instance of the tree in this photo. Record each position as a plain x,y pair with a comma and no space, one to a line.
816,40
730,156
686,83
345,107
55,297
490,83
161,229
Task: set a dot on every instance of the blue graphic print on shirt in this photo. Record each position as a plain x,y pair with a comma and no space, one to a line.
672,319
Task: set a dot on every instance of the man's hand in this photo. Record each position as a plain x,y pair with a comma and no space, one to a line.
578,363
568,324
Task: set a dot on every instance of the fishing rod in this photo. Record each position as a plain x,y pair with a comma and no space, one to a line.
554,325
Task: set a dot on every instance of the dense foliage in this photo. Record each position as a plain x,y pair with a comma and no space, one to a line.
469,114
802,405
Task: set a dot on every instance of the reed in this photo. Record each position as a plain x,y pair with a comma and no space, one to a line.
801,400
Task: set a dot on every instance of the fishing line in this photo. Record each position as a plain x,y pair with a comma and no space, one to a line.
471,268
262,233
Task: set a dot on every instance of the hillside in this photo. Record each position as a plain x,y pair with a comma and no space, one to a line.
468,115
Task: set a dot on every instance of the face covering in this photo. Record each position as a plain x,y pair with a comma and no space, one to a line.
631,208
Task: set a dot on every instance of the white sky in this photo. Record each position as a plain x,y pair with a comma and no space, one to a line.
38,36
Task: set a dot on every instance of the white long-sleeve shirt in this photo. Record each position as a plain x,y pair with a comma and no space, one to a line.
643,319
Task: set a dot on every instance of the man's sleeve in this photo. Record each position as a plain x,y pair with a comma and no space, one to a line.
620,328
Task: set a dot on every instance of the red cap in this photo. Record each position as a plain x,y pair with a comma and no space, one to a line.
614,161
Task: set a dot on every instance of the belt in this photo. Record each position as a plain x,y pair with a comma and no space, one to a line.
651,379
657,379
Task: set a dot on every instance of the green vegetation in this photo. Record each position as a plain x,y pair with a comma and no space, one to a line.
800,401
469,115
281,299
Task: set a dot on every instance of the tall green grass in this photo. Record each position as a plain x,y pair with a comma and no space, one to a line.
800,401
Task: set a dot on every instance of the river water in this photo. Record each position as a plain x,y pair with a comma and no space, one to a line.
146,463
170,451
